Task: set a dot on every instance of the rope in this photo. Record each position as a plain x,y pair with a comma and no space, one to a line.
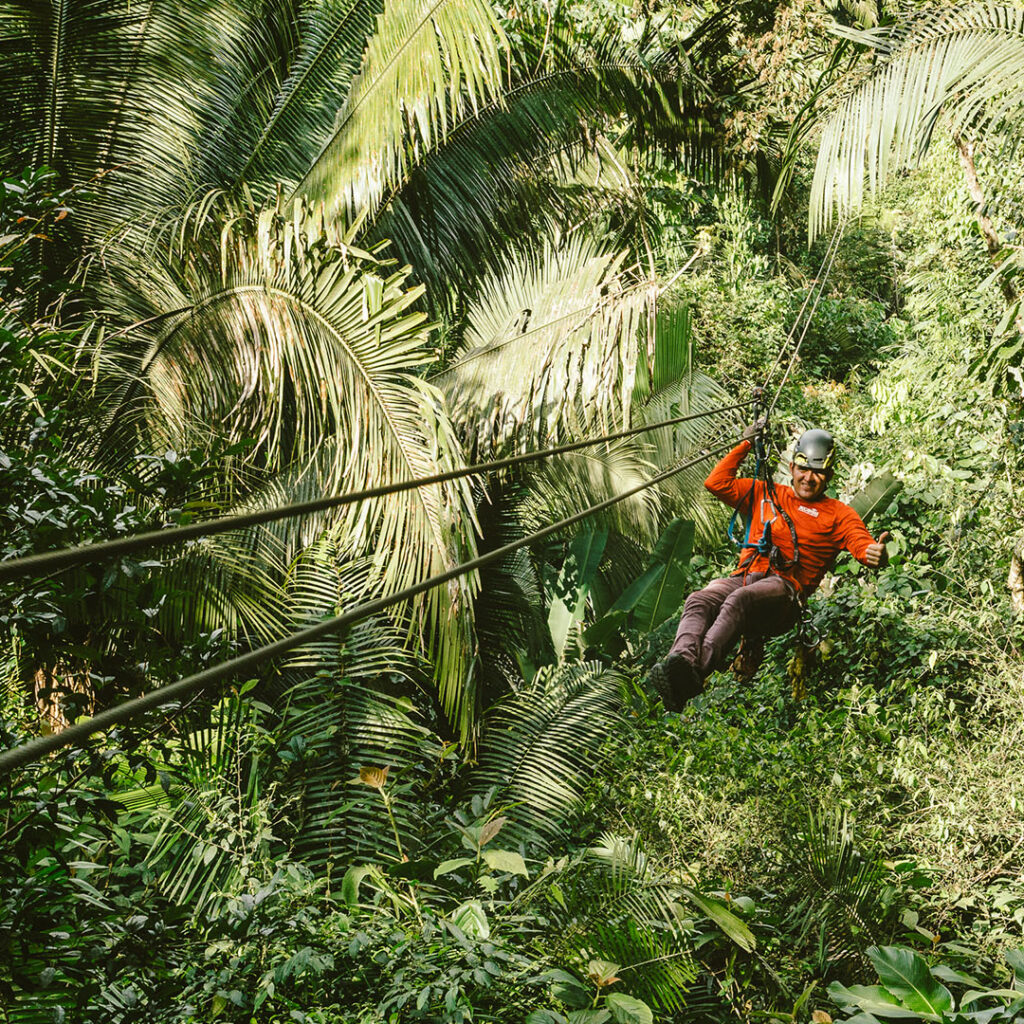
50,561
78,733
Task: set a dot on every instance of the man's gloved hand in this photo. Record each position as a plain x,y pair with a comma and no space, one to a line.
749,432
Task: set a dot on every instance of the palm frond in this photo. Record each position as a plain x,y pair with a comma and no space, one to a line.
349,715
512,635
965,62
568,316
230,582
635,922
564,485
427,61
281,86
541,745
310,349
500,172
213,829
844,897
515,165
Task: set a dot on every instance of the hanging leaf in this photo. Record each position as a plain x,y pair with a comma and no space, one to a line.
907,977
572,587
665,590
351,882
490,830
627,1010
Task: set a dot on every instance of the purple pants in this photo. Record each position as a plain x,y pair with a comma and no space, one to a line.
714,618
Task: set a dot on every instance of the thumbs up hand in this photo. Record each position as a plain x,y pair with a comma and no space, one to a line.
876,555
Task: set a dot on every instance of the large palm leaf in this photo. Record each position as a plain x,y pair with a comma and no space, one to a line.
426,61
964,61
511,169
541,744
551,336
340,716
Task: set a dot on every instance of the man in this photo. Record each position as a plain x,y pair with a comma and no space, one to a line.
764,594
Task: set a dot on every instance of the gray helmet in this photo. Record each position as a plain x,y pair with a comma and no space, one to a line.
814,450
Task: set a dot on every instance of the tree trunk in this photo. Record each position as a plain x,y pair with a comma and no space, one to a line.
1015,581
985,225
60,697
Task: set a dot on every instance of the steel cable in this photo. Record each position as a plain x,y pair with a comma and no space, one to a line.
80,731
827,263
51,561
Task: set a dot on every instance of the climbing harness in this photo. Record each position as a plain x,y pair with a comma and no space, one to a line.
764,546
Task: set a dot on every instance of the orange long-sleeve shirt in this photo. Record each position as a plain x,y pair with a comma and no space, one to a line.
823,527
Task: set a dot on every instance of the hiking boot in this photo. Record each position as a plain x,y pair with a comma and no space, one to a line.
675,681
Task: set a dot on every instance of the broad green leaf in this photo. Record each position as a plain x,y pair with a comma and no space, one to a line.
627,1010
569,990
944,973
589,1016
545,1017
506,860
631,595
663,596
907,977
564,977
351,882
876,497
730,924
602,972
471,919
448,866
604,633
995,993
872,998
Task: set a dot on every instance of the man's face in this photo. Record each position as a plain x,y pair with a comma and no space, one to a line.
809,484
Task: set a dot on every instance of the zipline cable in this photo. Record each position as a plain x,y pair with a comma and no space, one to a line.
39,747
803,334
818,288
51,561
819,285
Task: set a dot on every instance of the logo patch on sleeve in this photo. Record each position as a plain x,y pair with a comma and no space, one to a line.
809,511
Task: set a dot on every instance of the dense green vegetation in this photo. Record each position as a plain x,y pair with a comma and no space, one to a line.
253,253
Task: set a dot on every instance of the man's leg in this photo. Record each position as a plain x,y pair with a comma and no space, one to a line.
699,612
677,678
764,606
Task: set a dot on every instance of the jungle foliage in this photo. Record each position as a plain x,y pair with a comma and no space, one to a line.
255,252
